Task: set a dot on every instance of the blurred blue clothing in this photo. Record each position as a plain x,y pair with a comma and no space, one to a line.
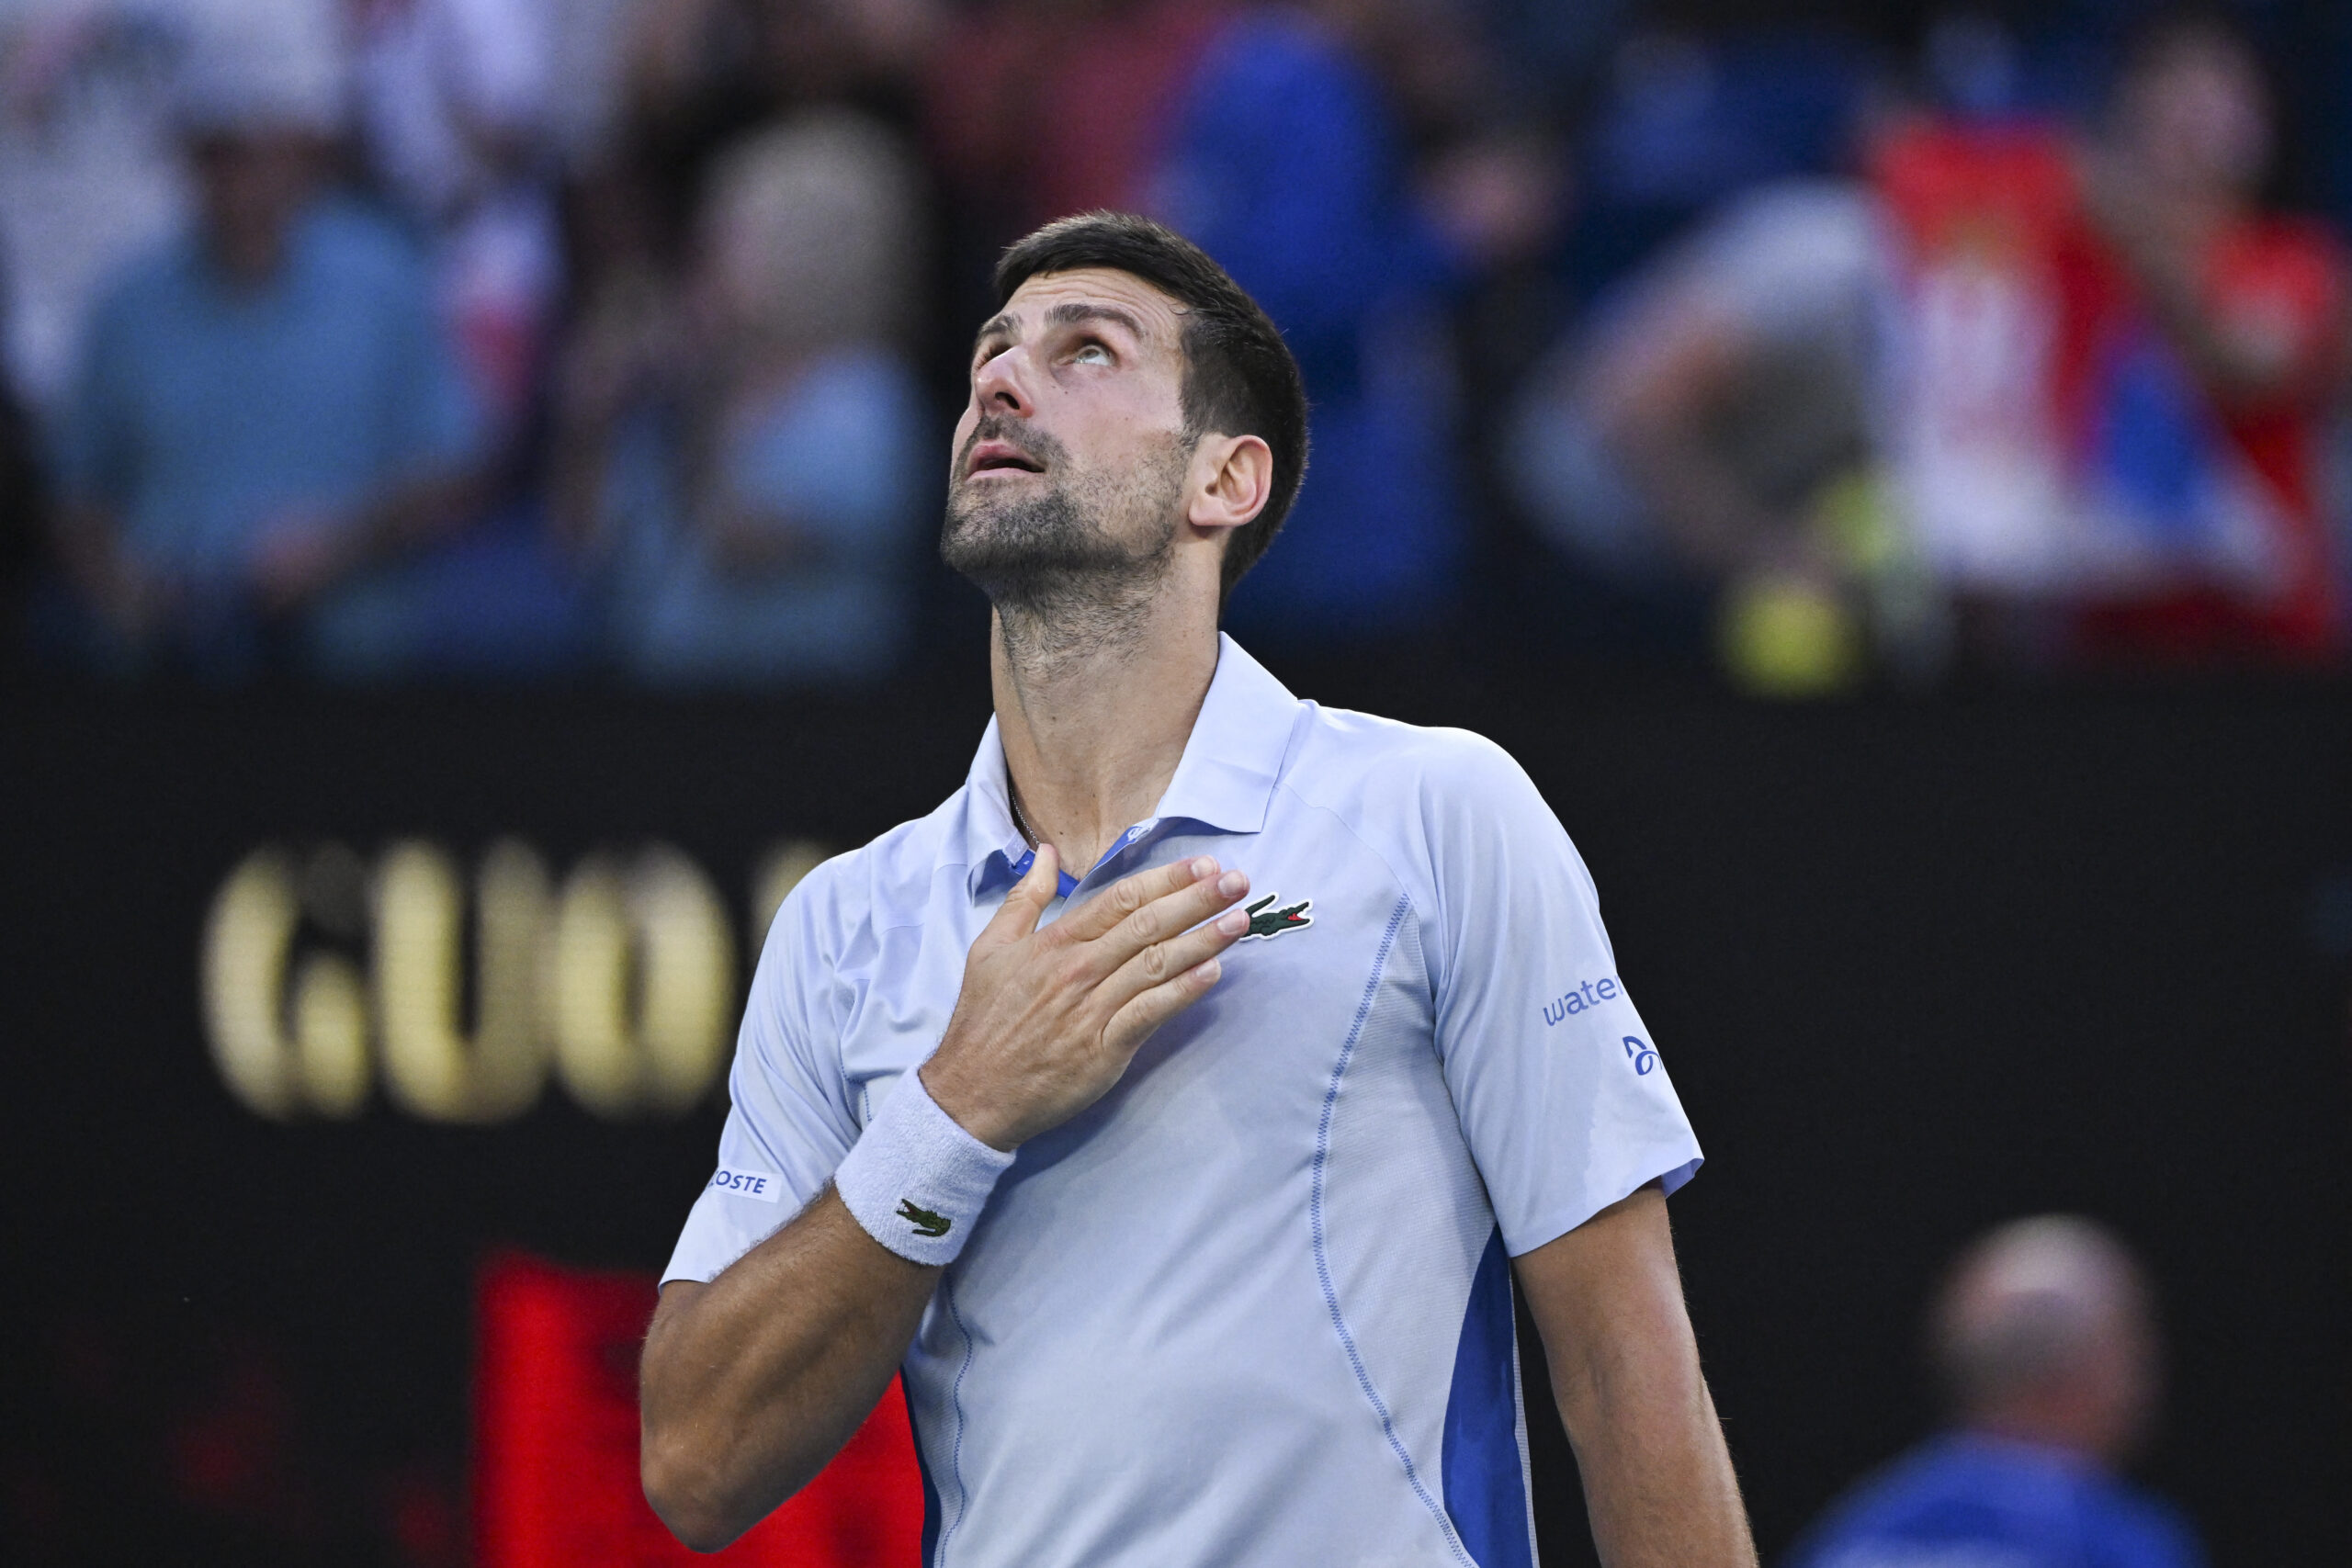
1969,1501
1286,167
495,603
206,410
838,462
1689,122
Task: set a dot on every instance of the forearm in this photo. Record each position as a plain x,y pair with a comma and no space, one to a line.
1657,1479
752,1383
1658,1483
1706,512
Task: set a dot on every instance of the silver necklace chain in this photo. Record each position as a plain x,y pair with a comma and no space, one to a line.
1020,821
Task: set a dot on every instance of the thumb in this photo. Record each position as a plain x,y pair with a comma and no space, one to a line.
1018,916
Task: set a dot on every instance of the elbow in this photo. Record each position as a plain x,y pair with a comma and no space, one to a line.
678,1488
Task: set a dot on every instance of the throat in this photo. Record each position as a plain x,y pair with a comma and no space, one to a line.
1073,630
1092,740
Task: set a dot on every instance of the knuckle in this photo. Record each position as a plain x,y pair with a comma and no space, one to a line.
1155,960
1127,897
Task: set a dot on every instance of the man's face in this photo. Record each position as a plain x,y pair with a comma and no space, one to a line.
1069,461
250,186
2198,118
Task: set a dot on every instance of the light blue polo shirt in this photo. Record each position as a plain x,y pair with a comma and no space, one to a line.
1253,1309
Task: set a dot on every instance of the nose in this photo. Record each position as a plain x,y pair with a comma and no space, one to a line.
997,386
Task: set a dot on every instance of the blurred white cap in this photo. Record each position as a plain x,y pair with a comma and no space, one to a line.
262,66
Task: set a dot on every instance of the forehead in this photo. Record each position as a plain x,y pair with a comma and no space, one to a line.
1160,316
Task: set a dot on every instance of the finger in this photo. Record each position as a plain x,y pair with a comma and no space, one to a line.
1164,961
1166,915
1022,908
1125,897
1135,1023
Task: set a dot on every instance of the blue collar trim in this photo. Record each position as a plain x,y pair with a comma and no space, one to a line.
1224,781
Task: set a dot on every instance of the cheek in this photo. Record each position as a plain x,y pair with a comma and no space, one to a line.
1112,431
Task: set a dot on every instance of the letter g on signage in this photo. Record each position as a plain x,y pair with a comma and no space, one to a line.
283,1056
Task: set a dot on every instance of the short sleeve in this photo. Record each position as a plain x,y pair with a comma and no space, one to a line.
789,1122
1562,1091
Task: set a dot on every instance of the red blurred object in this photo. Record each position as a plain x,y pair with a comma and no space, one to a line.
555,1443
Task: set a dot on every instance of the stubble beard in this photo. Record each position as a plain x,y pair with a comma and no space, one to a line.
1073,567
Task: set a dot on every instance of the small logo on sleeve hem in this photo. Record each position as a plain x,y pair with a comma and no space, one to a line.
764,1185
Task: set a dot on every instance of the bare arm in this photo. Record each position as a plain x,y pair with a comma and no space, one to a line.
1653,395
1658,1479
752,1382
298,556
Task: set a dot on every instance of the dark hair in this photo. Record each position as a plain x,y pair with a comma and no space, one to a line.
1240,378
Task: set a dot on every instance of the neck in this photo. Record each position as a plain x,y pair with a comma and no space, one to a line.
1093,728
2090,1434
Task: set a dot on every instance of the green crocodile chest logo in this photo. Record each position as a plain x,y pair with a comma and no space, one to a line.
923,1220
1267,921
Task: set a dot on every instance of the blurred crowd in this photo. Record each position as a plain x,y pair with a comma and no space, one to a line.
390,340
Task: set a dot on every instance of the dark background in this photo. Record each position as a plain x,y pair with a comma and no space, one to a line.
1918,966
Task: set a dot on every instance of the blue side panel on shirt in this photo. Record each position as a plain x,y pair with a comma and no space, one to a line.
1485,1493
929,1492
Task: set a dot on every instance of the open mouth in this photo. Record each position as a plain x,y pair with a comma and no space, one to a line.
1000,457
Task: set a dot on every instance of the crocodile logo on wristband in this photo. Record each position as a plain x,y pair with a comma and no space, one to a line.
923,1220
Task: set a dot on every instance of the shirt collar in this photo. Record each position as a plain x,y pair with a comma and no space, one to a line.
1224,779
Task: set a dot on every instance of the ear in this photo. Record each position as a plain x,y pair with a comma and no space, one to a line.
1229,481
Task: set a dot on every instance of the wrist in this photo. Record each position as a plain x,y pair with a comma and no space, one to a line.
916,1179
967,1105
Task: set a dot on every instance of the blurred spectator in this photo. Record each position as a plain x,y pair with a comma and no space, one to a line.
453,99
1687,120
1718,422
749,465
1040,109
265,410
700,73
1286,164
2117,371
2238,310
89,174
2047,1345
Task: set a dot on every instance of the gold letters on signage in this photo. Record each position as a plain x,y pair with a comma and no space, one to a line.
622,980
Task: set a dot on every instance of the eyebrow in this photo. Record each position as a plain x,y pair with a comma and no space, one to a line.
1006,325
1076,313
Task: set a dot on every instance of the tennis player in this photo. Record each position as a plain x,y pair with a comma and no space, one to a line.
1178,1104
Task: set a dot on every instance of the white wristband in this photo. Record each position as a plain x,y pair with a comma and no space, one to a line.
915,1179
